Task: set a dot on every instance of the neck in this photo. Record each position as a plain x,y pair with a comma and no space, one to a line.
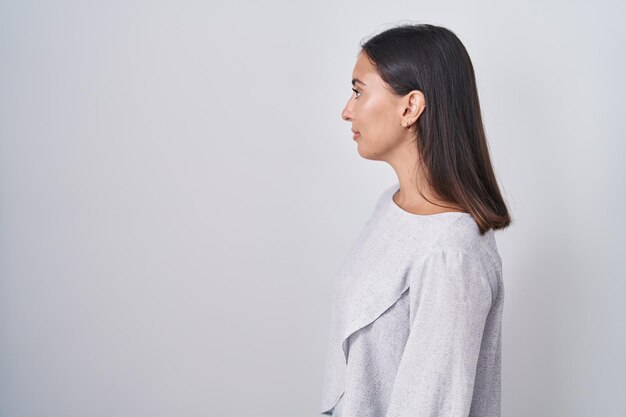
412,181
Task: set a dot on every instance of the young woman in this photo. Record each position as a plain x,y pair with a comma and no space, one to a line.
417,304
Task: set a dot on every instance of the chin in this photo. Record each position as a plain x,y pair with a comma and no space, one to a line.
371,155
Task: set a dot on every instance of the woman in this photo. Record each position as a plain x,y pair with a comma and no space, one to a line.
417,304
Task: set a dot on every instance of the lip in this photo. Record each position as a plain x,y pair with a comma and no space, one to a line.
356,135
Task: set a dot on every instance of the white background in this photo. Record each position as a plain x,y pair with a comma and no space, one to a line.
177,189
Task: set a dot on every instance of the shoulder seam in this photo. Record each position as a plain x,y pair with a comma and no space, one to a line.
485,276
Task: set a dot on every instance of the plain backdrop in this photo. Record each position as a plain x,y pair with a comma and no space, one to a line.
177,189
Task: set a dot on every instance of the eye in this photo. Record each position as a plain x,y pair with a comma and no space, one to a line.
356,92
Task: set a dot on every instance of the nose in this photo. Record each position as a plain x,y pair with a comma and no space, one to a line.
346,114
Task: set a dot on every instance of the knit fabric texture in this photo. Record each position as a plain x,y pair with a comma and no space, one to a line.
416,319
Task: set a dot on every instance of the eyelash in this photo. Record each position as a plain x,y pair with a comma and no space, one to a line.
356,92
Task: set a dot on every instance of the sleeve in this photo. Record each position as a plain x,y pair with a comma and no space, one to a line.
450,298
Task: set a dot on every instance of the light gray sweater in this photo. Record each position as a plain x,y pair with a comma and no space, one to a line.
416,319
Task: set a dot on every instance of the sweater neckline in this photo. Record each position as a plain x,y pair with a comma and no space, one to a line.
396,208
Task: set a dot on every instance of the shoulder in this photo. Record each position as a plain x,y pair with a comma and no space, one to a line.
463,236
461,242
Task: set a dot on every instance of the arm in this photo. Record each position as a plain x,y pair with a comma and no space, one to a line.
450,298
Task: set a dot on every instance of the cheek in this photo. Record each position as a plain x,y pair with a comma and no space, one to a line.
377,118
370,112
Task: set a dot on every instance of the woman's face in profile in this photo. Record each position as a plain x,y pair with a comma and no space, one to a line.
375,112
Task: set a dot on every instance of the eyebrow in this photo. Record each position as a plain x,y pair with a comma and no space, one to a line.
356,80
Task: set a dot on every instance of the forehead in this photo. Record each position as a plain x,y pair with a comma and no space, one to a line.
363,69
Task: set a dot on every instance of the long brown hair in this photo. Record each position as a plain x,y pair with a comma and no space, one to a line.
450,138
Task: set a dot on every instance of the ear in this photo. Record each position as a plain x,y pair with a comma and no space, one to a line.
413,104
